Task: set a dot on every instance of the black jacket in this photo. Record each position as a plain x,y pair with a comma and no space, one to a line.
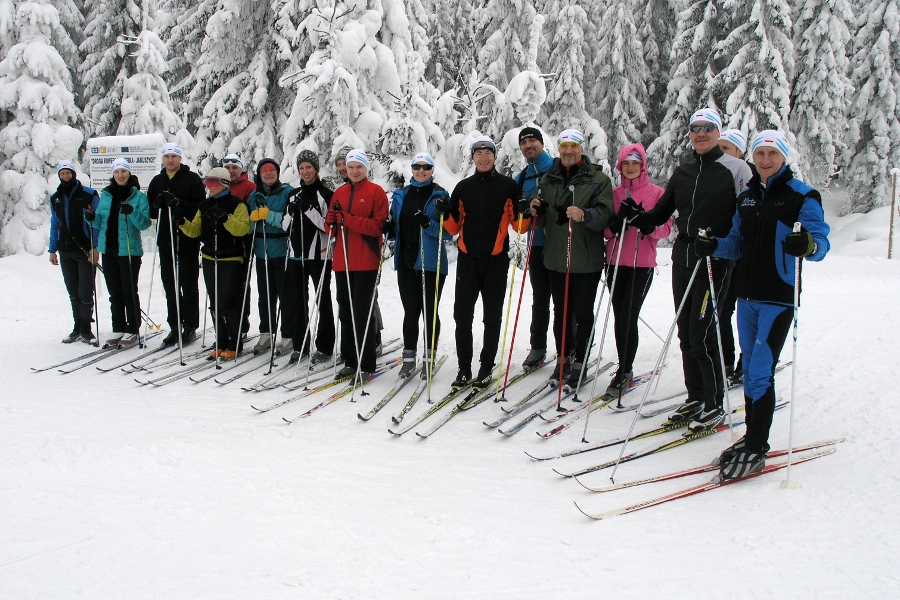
68,231
704,192
482,207
187,186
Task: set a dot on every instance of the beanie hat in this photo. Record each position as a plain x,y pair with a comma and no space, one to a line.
222,174
171,148
310,157
635,156
233,159
571,135
65,164
358,155
121,163
423,157
771,139
342,153
532,133
259,166
483,142
735,137
707,114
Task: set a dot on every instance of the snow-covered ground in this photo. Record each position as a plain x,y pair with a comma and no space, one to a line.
113,490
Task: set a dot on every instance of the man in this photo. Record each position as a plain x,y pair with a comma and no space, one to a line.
480,209
531,144
179,191
576,197
72,237
241,187
356,215
762,241
703,191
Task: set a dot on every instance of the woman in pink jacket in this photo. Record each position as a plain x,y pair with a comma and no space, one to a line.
636,262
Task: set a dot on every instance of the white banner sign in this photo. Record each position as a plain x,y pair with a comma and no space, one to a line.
141,151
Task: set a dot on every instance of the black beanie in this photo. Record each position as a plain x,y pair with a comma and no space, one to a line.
530,132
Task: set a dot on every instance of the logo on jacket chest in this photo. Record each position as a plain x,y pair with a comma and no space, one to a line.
748,202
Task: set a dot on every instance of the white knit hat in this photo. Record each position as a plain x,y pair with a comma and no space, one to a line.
483,142
709,115
571,135
120,163
423,157
736,137
66,164
358,155
171,148
771,139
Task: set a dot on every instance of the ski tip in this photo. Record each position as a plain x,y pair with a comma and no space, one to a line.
588,515
361,418
394,433
286,420
561,474
424,437
582,484
257,409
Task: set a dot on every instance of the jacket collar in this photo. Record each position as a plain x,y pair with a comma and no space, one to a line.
556,169
713,155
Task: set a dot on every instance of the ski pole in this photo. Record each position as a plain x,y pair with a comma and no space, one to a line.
266,279
279,300
319,288
94,285
437,281
637,241
350,297
789,483
653,331
132,287
366,332
425,310
501,397
662,355
562,356
512,284
216,289
243,297
176,267
148,320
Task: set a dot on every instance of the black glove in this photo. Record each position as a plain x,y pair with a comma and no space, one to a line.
126,209
172,201
561,217
90,215
293,209
800,244
705,246
218,213
629,209
388,227
442,205
541,208
523,207
615,224
421,219
647,230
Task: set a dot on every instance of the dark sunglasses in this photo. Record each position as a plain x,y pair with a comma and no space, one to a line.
213,181
704,128
426,167
231,161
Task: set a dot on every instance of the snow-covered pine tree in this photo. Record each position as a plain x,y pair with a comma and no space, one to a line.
657,29
569,30
503,31
182,27
690,84
106,64
822,87
619,95
36,91
451,33
874,134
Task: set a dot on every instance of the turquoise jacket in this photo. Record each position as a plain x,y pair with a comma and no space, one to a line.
130,240
276,240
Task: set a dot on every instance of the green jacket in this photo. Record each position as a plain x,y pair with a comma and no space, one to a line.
592,194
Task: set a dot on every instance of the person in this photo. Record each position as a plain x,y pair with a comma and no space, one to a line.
267,206
73,247
308,258
765,247
575,207
241,187
734,143
220,223
356,215
531,144
703,191
179,191
414,226
636,260
480,210
122,212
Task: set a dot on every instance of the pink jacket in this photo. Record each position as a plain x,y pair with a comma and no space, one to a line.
647,195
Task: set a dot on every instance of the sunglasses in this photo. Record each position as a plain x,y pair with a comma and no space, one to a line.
704,128
231,161
213,181
426,167
569,144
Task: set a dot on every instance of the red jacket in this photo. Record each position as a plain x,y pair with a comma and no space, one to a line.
243,187
365,209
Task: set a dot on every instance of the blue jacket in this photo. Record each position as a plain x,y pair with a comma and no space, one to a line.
276,242
765,216
69,231
137,221
432,244
528,180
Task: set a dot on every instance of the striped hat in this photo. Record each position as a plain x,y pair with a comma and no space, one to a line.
735,137
571,135
709,115
358,155
171,148
423,157
771,139
120,163
65,164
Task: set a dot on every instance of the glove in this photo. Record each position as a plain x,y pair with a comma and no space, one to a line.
172,201
615,224
523,207
540,206
126,209
218,213
293,209
705,246
800,244
561,217
647,230
90,215
259,214
334,217
388,227
442,205
421,219
629,209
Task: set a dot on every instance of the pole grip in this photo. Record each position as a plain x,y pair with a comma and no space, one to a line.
797,227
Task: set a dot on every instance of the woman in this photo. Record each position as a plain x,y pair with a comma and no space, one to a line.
123,211
635,262
308,258
221,223
414,224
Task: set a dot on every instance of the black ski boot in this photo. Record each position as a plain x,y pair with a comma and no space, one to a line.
707,420
188,336
619,383
463,377
573,378
745,462
409,364
76,333
85,334
484,378
535,357
172,338
687,411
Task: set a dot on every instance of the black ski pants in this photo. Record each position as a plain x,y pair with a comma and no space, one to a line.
354,299
582,293
272,292
78,275
187,253
632,285
409,281
122,282
697,331
295,303
230,287
483,276
539,277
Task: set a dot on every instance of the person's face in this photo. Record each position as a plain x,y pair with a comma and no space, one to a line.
706,138
768,161
307,172
570,153
234,170
341,165
172,162
268,174
422,172
631,169
356,171
214,188
729,148
121,176
65,175
531,148
484,159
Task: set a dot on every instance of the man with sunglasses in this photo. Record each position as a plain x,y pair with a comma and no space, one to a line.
178,190
704,192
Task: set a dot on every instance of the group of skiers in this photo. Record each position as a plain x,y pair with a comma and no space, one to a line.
581,232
